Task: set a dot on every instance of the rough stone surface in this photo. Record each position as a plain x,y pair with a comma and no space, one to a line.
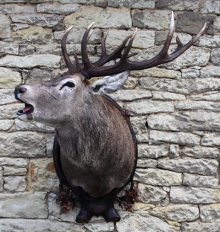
11,171
202,166
168,96
33,34
210,212
149,106
6,96
174,137
181,194
16,162
158,20
186,121
32,61
198,227
23,205
178,5
200,181
177,213
132,4
42,175
110,17
158,177
150,151
42,20
1,180
15,183
140,222
16,9
200,152
9,78
22,144
211,140
5,27
210,6
195,105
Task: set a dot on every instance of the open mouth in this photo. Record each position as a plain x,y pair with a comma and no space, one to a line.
28,109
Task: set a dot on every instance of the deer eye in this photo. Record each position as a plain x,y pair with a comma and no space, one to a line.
68,84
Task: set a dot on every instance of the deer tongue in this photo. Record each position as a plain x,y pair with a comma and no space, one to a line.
26,109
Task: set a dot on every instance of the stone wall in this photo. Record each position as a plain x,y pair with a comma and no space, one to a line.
175,112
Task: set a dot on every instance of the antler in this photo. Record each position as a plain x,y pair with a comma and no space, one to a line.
97,69
92,70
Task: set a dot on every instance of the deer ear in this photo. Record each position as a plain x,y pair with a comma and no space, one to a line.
110,84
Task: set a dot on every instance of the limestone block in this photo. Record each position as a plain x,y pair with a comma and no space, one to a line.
15,162
103,18
152,151
209,213
146,163
200,152
195,105
158,95
12,171
192,195
187,121
194,180
149,106
32,126
5,31
143,38
9,78
156,19
42,20
130,95
140,222
198,227
182,86
23,205
100,226
174,150
1,180
194,56
22,144
34,34
215,59
15,183
7,96
16,9
177,212
157,72
178,5
75,36
189,22
211,41
158,177
181,138
42,175
131,83
18,26
9,111
132,4
8,48
39,74
27,225
79,1
190,73
210,6
208,96
210,71
31,61
6,124
211,140
57,8
216,23
26,49
142,138
139,124
150,194
206,167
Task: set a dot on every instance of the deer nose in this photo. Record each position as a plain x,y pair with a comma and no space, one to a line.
19,90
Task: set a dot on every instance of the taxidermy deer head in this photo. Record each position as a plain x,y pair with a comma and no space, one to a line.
95,151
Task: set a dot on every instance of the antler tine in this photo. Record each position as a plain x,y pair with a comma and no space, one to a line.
114,55
64,51
85,57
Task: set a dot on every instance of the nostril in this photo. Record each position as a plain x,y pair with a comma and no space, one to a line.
21,90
